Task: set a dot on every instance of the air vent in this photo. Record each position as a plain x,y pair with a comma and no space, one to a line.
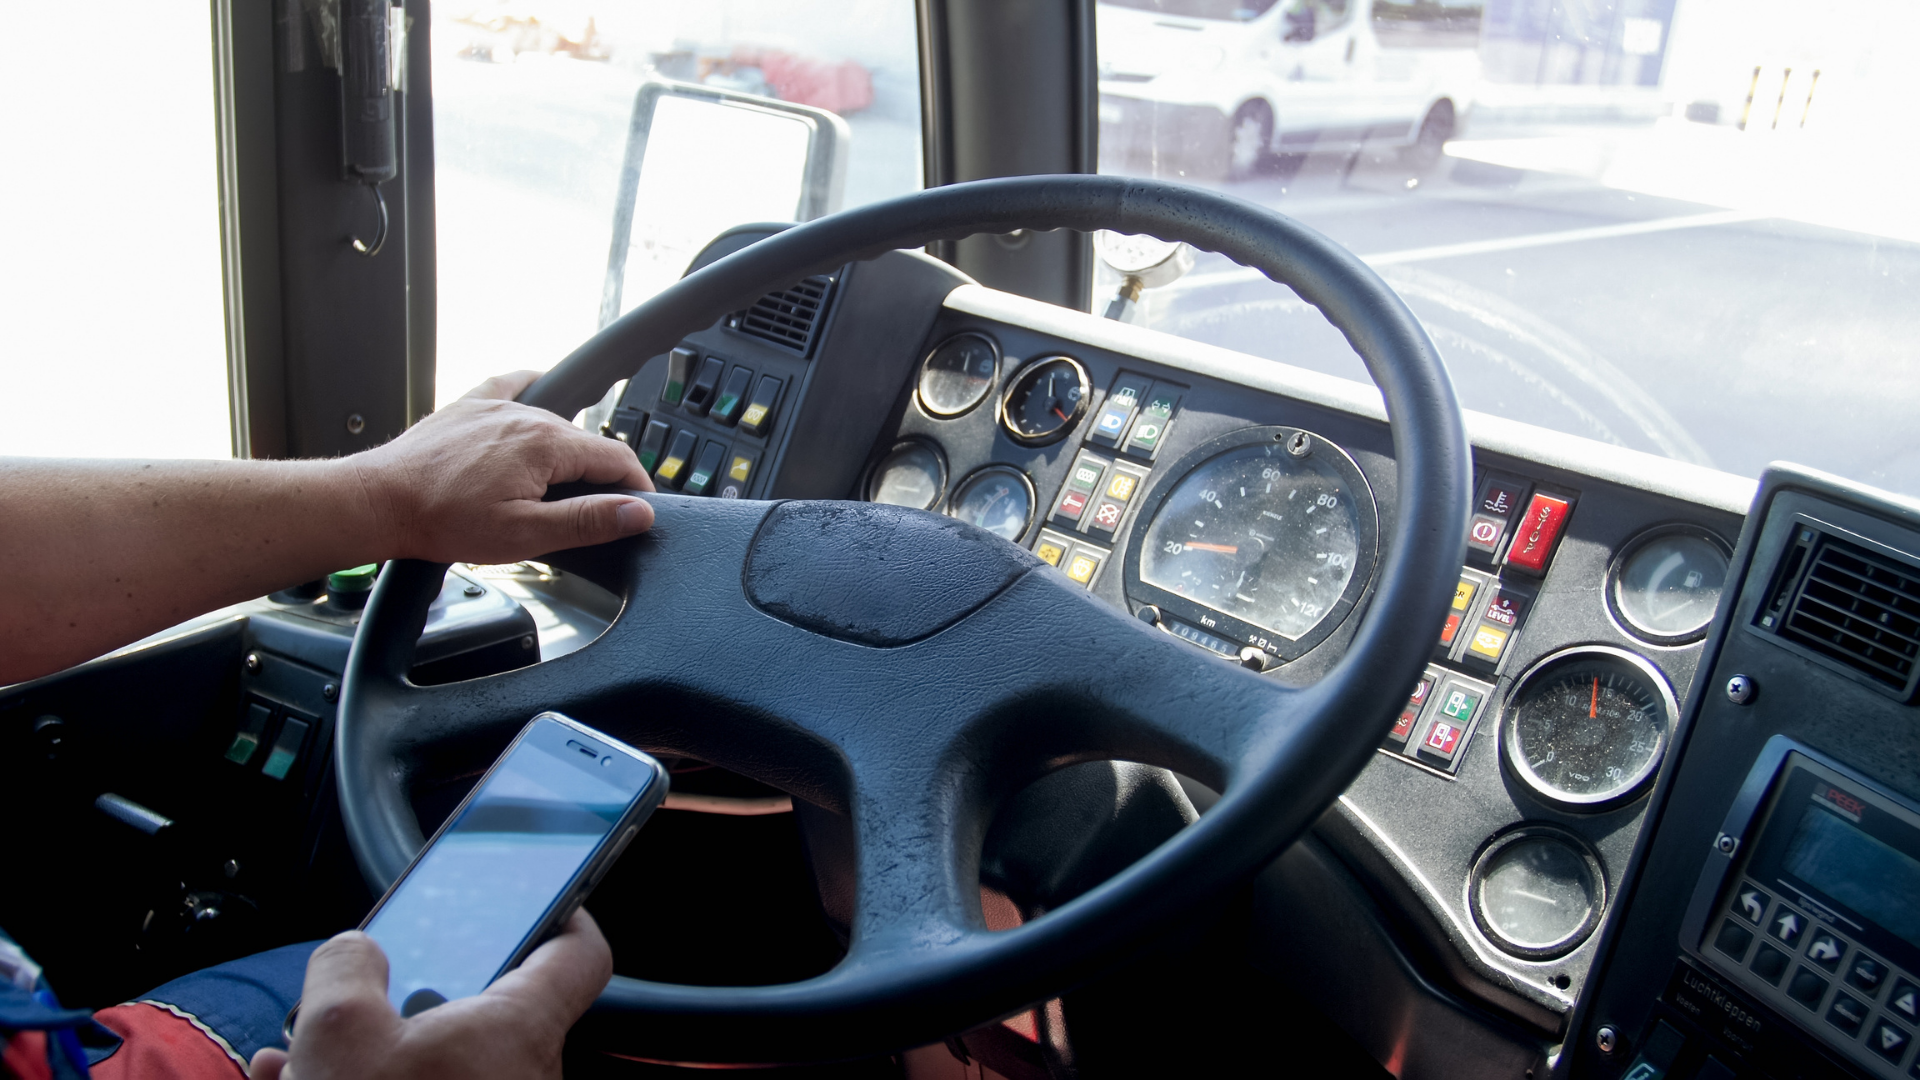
789,317
1854,606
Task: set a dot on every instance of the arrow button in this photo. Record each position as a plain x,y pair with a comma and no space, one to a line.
1826,950
1888,1041
1905,1000
1752,904
1788,926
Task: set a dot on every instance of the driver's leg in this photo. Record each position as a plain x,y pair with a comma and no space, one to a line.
208,1024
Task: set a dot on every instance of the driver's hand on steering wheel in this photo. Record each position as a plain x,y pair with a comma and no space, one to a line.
347,1030
464,484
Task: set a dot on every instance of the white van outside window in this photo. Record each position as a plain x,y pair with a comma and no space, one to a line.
1208,89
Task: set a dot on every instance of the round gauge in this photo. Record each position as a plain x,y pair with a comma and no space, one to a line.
1537,892
997,498
1586,728
1666,584
1273,528
1045,400
958,374
912,474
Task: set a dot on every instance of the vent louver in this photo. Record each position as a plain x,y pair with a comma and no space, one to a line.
1859,608
789,317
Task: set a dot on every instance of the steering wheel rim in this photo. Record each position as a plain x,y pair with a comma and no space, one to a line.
921,964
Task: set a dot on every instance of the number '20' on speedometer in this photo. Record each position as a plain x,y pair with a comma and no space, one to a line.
1272,528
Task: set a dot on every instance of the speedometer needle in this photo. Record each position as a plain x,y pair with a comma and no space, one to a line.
1224,549
1593,707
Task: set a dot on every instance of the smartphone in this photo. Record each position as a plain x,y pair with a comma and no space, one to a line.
512,863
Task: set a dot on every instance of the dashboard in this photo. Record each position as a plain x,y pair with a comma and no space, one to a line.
1240,506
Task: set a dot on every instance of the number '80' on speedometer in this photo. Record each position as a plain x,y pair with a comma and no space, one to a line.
1267,537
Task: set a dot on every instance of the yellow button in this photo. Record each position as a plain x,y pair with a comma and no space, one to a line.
754,414
1122,487
1463,594
670,468
1050,552
1488,641
741,468
1082,567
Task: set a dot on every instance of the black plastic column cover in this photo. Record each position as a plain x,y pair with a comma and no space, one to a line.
1008,89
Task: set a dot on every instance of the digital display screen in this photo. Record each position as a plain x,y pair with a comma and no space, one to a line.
467,905
1868,875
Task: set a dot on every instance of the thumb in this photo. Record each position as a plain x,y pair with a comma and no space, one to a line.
344,1000
581,522
268,1064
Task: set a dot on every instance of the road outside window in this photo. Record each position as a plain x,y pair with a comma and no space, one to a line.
532,104
111,339
1681,226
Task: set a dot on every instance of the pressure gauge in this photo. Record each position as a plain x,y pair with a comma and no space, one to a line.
1586,728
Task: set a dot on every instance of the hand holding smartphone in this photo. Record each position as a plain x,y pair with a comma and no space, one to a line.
511,864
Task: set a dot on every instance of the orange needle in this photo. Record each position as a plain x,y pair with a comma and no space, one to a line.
1593,710
1224,549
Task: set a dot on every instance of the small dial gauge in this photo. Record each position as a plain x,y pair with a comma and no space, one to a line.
998,499
1586,728
1261,534
912,474
1666,584
958,375
1045,400
1537,893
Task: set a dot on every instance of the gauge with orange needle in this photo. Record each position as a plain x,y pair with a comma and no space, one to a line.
1044,400
1261,534
1586,728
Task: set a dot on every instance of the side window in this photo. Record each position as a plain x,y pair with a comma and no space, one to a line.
532,104
1427,24
112,340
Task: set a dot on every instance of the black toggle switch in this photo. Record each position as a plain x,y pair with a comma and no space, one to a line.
700,395
758,419
726,408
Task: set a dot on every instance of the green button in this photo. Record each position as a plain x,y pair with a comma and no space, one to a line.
1086,477
357,580
1160,407
1460,705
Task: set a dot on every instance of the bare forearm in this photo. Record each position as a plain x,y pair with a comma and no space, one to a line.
106,552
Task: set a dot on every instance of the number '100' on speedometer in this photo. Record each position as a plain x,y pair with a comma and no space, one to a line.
1275,530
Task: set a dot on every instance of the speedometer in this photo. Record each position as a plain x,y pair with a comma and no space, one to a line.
1267,538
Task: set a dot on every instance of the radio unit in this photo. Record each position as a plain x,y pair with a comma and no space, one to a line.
1813,906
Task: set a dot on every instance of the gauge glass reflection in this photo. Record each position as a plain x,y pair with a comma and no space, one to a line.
1537,895
1258,534
912,474
1044,400
1668,587
958,375
1589,727
997,499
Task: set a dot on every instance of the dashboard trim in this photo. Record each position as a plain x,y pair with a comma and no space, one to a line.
1613,464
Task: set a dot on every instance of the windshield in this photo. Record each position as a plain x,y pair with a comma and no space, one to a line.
533,101
1236,10
1684,228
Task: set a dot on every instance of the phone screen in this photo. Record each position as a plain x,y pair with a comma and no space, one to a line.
467,905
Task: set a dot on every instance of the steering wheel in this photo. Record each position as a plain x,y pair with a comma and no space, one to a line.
899,667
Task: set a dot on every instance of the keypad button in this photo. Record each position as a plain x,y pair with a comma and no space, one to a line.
1122,486
1888,1040
1769,963
733,396
758,417
1488,642
1826,950
1905,1000
1751,904
1733,939
1807,988
1404,726
653,440
1072,505
1451,628
1536,531
1500,496
705,469
1787,925
733,485
1106,517
679,373
673,465
1086,474
700,392
1083,564
1846,1014
1116,414
1866,973
1484,532
1050,551
1151,427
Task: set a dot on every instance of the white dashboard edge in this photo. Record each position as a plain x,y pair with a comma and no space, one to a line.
1614,464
